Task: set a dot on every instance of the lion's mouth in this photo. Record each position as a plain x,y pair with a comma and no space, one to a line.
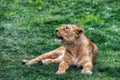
59,37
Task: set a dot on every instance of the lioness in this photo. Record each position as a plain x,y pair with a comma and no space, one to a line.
76,49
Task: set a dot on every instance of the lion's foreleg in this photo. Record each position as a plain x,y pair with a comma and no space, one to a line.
50,55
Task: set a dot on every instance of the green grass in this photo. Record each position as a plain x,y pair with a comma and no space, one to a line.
27,30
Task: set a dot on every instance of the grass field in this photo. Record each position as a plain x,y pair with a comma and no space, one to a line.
27,30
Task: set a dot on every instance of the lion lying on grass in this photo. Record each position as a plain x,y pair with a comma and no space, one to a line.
76,49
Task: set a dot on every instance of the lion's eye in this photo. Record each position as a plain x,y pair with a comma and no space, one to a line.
66,28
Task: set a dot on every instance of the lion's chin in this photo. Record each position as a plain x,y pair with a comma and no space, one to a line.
58,40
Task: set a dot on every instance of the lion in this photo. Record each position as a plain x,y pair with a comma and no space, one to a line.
76,50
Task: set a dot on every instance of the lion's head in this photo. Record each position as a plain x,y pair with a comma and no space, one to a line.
67,33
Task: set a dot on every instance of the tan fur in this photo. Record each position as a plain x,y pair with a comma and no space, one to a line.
76,49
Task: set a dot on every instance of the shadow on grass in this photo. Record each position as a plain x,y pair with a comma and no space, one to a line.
110,71
2,30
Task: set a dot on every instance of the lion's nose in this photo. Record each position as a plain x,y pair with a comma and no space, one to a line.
56,30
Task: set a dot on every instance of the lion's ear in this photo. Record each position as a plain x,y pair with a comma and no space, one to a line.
78,30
